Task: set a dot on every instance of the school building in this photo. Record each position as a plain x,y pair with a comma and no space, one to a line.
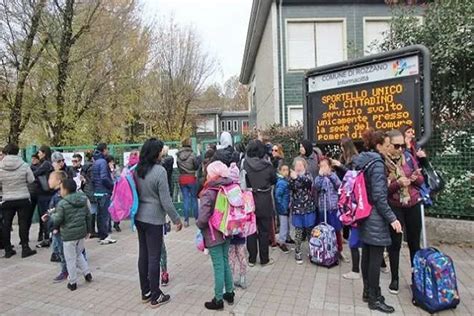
287,37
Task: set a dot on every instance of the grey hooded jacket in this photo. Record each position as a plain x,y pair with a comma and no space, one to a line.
15,175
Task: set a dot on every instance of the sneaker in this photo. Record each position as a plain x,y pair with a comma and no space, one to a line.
165,278
55,257
243,282
10,253
351,276
88,277
72,287
269,263
117,227
274,245
44,244
251,264
162,300
299,258
385,270
344,258
290,241
237,283
284,248
229,298
107,241
61,277
146,297
214,305
393,287
94,235
27,252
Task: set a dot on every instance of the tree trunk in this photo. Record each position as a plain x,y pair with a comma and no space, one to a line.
16,111
63,68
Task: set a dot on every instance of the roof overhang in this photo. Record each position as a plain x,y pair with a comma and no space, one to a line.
258,20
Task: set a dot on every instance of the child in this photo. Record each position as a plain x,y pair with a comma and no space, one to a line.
302,204
327,185
54,182
237,254
73,217
216,243
282,203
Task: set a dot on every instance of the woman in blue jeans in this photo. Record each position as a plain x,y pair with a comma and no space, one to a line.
188,164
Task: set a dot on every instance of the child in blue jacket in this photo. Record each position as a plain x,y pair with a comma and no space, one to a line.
282,203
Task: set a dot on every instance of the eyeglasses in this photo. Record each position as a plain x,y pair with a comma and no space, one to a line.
399,146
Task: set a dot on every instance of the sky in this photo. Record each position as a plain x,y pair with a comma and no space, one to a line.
222,25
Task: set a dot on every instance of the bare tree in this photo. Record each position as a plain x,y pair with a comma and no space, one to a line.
180,67
20,50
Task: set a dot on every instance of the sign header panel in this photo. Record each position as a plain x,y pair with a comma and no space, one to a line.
386,70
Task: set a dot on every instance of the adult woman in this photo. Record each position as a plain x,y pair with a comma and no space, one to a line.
349,152
15,175
409,135
260,177
374,231
404,197
218,245
307,152
277,156
44,194
188,164
154,204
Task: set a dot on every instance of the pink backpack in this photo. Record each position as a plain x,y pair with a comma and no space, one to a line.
234,212
353,201
124,201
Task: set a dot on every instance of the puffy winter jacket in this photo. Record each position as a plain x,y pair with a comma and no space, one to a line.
101,177
88,185
15,175
282,196
43,170
327,188
206,208
261,176
73,217
187,161
375,229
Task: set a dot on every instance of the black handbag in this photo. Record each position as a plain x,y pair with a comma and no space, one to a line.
433,179
43,182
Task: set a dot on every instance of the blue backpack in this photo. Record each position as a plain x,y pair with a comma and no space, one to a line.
434,283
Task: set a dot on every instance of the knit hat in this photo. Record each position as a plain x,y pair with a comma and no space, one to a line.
217,169
308,147
234,172
57,157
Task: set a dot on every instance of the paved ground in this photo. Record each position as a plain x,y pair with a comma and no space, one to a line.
282,289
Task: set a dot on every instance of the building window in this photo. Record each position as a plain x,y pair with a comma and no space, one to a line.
205,125
245,127
236,126
295,114
375,31
317,43
229,126
222,126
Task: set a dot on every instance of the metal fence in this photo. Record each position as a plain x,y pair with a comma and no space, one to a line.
451,151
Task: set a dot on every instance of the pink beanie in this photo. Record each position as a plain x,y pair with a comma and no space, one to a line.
217,169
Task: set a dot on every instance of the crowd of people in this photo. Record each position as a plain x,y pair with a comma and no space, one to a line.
290,200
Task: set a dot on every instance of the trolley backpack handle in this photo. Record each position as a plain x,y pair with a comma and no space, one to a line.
423,227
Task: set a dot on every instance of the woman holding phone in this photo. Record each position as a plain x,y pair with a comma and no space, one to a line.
404,198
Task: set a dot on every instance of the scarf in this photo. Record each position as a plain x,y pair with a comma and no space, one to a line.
395,170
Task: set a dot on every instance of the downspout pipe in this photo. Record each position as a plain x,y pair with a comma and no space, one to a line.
282,67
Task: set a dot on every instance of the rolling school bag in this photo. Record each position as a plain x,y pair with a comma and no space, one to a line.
323,244
434,283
